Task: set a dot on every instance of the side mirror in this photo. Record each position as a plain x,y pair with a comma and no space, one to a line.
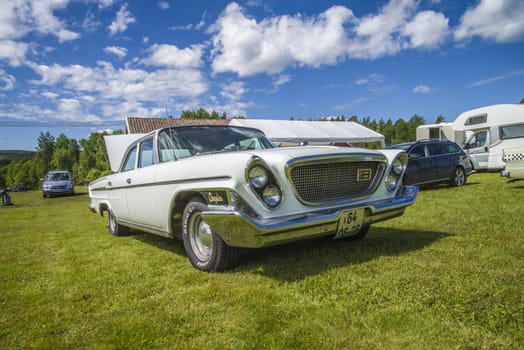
415,156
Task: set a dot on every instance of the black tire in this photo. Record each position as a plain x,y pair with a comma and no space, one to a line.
205,248
458,178
360,235
114,227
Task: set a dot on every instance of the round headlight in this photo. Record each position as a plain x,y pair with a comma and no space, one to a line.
391,183
272,196
258,176
398,166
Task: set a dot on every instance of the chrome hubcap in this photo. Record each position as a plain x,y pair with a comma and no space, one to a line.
201,238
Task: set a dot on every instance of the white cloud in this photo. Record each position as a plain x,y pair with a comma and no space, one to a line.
69,105
50,95
497,20
233,90
247,47
427,30
46,22
422,89
281,80
108,83
105,3
163,5
497,78
243,45
351,105
172,56
7,81
13,52
18,18
116,50
122,20
370,79
378,35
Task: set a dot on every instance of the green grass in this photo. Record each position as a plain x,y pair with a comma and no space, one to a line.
448,274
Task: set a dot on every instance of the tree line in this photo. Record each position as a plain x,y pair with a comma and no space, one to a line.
87,159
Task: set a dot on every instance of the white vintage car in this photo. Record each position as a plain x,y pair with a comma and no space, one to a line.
222,188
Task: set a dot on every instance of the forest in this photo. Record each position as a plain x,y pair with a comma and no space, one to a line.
87,160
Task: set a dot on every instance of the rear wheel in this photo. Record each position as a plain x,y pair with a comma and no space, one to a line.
458,178
114,227
204,247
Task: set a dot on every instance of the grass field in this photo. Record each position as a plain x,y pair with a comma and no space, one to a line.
448,274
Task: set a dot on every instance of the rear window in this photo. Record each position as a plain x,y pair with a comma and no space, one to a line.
453,148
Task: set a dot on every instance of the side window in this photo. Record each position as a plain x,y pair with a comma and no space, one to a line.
419,151
130,160
512,131
436,149
478,140
146,153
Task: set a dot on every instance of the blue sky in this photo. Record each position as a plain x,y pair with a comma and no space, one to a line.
78,66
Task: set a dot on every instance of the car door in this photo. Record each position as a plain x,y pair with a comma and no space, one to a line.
419,168
478,149
117,185
140,188
442,160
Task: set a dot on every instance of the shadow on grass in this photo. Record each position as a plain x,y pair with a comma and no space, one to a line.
171,245
298,260
446,186
295,261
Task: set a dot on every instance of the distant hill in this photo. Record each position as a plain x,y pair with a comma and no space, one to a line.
9,156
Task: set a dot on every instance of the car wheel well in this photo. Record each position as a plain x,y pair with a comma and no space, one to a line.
179,204
103,208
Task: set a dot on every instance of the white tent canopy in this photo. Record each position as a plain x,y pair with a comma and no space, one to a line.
311,131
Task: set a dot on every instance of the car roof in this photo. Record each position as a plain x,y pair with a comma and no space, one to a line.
407,145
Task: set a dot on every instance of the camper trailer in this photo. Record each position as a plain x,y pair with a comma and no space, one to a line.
484,133
441,131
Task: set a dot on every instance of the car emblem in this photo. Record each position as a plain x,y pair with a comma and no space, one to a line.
363,174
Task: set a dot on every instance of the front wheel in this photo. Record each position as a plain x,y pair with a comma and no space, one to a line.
204,247
458,178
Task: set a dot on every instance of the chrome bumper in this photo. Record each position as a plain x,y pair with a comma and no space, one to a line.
92,208
239,230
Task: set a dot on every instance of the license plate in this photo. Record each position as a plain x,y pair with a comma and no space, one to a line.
350,223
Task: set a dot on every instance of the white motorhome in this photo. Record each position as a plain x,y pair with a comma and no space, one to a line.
491,129
484,133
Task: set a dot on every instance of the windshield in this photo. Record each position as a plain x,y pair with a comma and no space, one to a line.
181,142
57,177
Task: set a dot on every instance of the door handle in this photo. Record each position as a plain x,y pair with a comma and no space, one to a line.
128,181
109,184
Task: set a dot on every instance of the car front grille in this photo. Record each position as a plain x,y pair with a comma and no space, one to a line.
322,182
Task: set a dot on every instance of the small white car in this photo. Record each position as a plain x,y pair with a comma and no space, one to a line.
58,182
221,188
514,159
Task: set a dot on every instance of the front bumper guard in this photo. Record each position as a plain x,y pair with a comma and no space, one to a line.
239,230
